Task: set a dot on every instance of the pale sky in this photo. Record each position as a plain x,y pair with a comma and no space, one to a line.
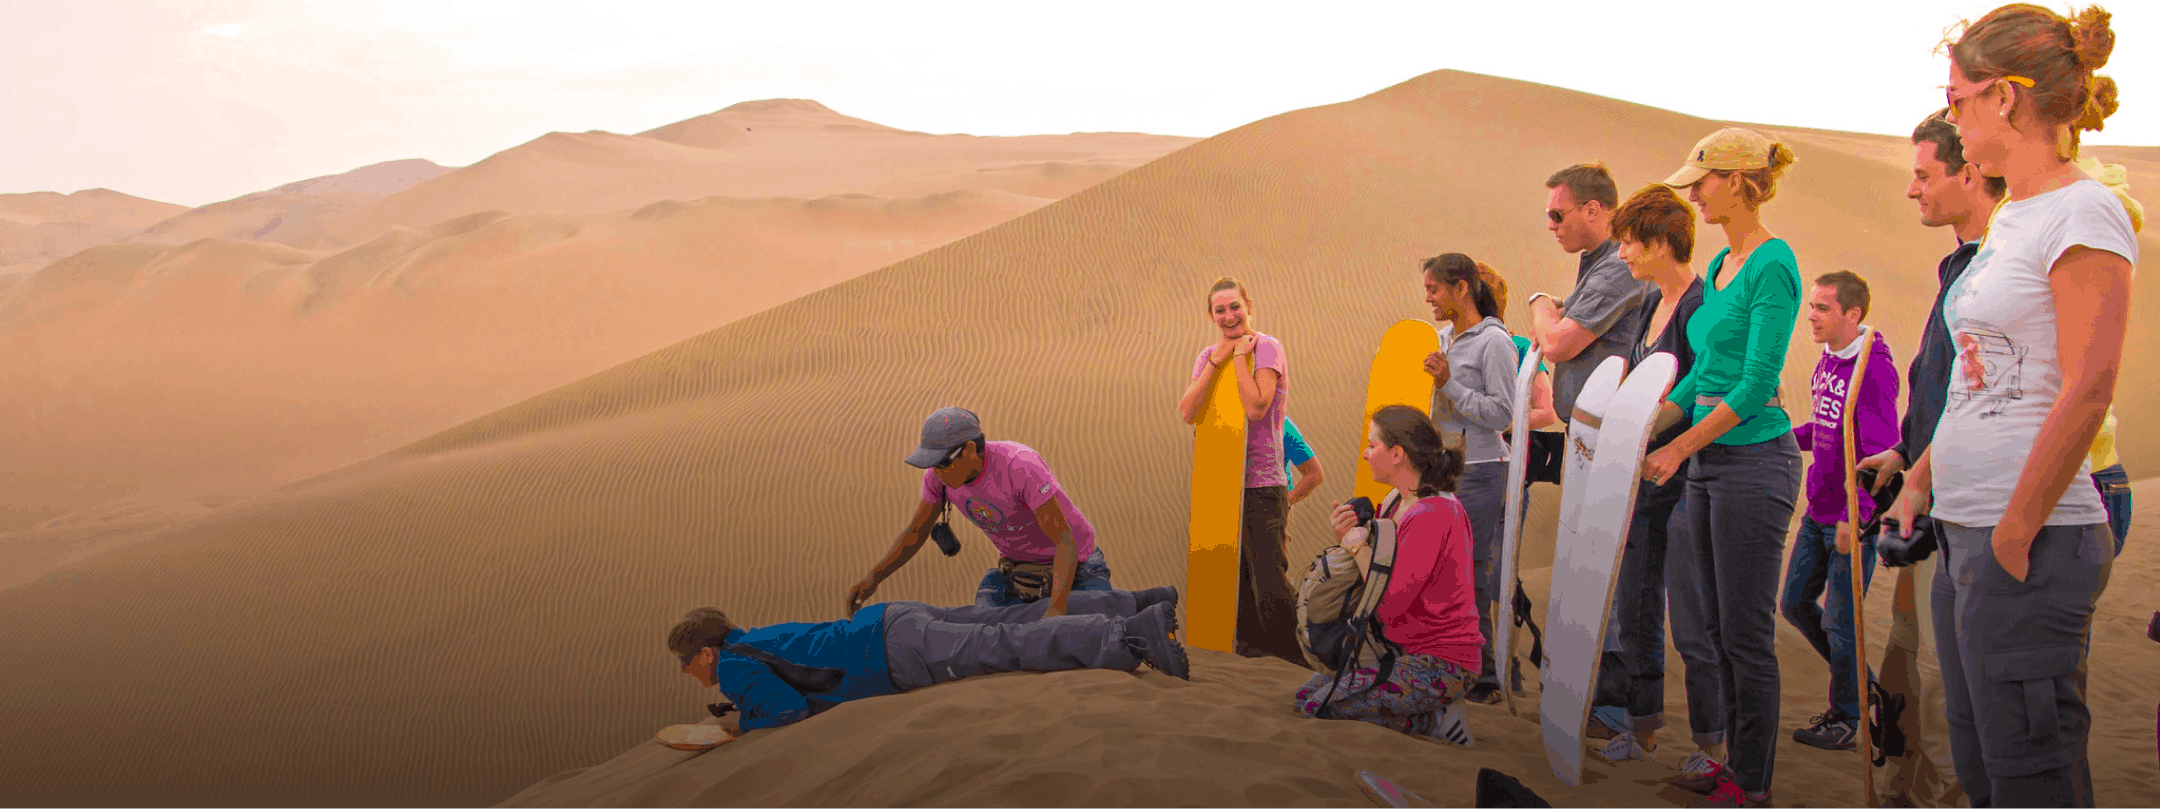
192,103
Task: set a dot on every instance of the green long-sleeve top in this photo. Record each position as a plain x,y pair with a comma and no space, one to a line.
1740,335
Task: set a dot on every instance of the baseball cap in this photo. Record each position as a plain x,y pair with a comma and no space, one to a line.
1728,149
943,432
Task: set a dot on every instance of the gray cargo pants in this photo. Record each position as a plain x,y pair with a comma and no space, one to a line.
926,645
2012,657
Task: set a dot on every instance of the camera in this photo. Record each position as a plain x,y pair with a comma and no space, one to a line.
1364,508
1897,551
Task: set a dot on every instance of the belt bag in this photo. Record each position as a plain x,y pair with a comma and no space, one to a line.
1028,580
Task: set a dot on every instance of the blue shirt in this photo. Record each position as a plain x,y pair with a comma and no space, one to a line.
1522,352
855,646
1295,451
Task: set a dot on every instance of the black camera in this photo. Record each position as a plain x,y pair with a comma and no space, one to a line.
1897,551
1364,508
941,533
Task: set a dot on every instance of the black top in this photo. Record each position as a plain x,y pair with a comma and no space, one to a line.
1672,341
1927,380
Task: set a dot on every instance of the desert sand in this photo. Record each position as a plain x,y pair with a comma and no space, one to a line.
139,378
478,616
39,228
294,212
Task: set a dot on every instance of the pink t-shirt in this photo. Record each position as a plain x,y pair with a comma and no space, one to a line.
1430,607
1002,500
1263,436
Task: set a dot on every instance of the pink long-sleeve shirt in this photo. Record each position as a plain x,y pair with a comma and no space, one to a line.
1430,607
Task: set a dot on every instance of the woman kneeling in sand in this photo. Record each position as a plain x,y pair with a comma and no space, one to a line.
1428,609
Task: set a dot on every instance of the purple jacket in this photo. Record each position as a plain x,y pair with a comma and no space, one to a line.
1877,429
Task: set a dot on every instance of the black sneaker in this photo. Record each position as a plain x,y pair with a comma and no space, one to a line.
1831,731
1148,634
1484,694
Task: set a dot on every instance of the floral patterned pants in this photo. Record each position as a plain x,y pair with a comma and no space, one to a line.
1409,701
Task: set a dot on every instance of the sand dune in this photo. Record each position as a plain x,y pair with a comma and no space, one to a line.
38,228
160,375
458,620
292,212
776,148
1229,738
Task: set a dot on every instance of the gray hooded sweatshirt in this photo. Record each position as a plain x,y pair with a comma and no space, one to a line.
1478,400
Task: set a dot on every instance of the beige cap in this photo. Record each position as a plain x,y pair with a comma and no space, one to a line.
1728,149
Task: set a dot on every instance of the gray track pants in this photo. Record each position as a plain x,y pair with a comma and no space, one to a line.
2012,657
927,645
1483,492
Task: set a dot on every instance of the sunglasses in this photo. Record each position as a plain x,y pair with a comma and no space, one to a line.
1556,216
1952,95
950,457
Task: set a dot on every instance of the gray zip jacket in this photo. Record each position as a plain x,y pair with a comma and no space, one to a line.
1478,400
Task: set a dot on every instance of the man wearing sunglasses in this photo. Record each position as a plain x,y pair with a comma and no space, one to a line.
1598,319
1046,548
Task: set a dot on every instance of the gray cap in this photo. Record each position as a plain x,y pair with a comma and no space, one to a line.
943,432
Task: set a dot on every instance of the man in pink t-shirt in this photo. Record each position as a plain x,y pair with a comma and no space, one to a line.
1010,493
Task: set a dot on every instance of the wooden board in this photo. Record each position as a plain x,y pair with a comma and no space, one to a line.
1606,441
1511,529
1216,519
1397,377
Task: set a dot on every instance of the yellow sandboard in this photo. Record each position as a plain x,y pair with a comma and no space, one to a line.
1398,377
1218,510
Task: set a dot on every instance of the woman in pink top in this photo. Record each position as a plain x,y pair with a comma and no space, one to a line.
1429,608
1258,366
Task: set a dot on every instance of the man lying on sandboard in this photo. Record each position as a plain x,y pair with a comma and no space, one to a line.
784,673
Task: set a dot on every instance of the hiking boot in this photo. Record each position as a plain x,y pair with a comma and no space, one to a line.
1624,747
1148,634
1143,599
1455,725
1699,774
1730,794
1830,731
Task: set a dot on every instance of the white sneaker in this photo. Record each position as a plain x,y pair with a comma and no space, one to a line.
1455,725
1624,748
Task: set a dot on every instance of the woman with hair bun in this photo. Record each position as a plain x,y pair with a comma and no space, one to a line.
1428,609
1474,397
2038,324
1743,465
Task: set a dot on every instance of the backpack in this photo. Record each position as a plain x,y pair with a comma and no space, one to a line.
1336,626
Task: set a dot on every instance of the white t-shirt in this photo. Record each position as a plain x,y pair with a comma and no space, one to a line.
2006,373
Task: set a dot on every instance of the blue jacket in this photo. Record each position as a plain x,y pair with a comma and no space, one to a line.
855,646
1927,382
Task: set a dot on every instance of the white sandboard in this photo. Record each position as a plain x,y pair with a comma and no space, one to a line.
1511,530
1596,510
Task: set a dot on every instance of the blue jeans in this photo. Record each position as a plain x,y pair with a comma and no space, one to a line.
1739,500
1091,574
1828,626
1702,674
2114,486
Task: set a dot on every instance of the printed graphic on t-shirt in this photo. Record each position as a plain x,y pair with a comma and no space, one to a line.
986,515
1991,367
1830,398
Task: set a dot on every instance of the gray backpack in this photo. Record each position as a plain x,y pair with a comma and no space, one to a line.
1336,625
